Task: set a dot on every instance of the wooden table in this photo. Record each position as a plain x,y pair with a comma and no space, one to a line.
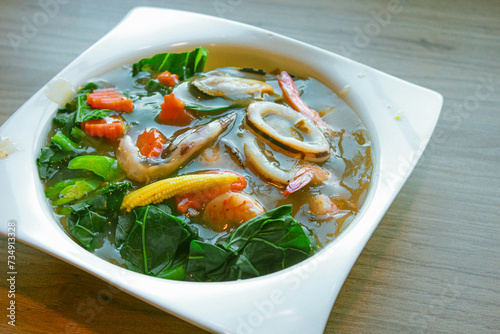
433,263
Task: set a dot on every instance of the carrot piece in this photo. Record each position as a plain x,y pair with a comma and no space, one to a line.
109,98
198,199
151,143
173,112
168,79
109,127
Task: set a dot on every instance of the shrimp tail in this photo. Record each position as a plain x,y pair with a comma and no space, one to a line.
302,178
307,174
292,96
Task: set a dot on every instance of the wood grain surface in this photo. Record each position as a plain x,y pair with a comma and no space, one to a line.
432,265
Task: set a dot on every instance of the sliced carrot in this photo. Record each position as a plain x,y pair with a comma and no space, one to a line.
197,200
109,127
173,112
151,143
168,79
109,98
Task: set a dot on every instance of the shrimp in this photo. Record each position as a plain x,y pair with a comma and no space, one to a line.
194,202
307,174
322,207
292,96
230,210
294,179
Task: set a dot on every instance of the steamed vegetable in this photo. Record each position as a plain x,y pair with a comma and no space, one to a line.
64,142
55,156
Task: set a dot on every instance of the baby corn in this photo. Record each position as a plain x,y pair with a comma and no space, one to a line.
161,190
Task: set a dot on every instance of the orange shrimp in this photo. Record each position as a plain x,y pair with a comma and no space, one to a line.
322,207
307,174
196,200
292,96
230,210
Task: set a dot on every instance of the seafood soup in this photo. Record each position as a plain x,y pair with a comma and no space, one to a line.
180,173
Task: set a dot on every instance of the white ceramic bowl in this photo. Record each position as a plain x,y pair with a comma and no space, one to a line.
296,300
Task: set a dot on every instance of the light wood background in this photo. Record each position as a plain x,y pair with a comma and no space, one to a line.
432,265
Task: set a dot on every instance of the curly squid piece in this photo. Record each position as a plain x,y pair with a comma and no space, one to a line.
294,179
287,131
180,150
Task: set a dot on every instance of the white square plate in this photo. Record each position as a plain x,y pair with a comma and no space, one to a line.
296,300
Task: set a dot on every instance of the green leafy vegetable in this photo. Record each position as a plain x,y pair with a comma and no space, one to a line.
263,245
55,156
84,112
153,86
184,64
89,218
67,191
64,142
106,167
154,242
64,116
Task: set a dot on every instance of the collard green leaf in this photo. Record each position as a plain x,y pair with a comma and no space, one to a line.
154,242
184,64
51,159
63,117
263,245
86,227
208,262
269,225
153,86
90,217
127,222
